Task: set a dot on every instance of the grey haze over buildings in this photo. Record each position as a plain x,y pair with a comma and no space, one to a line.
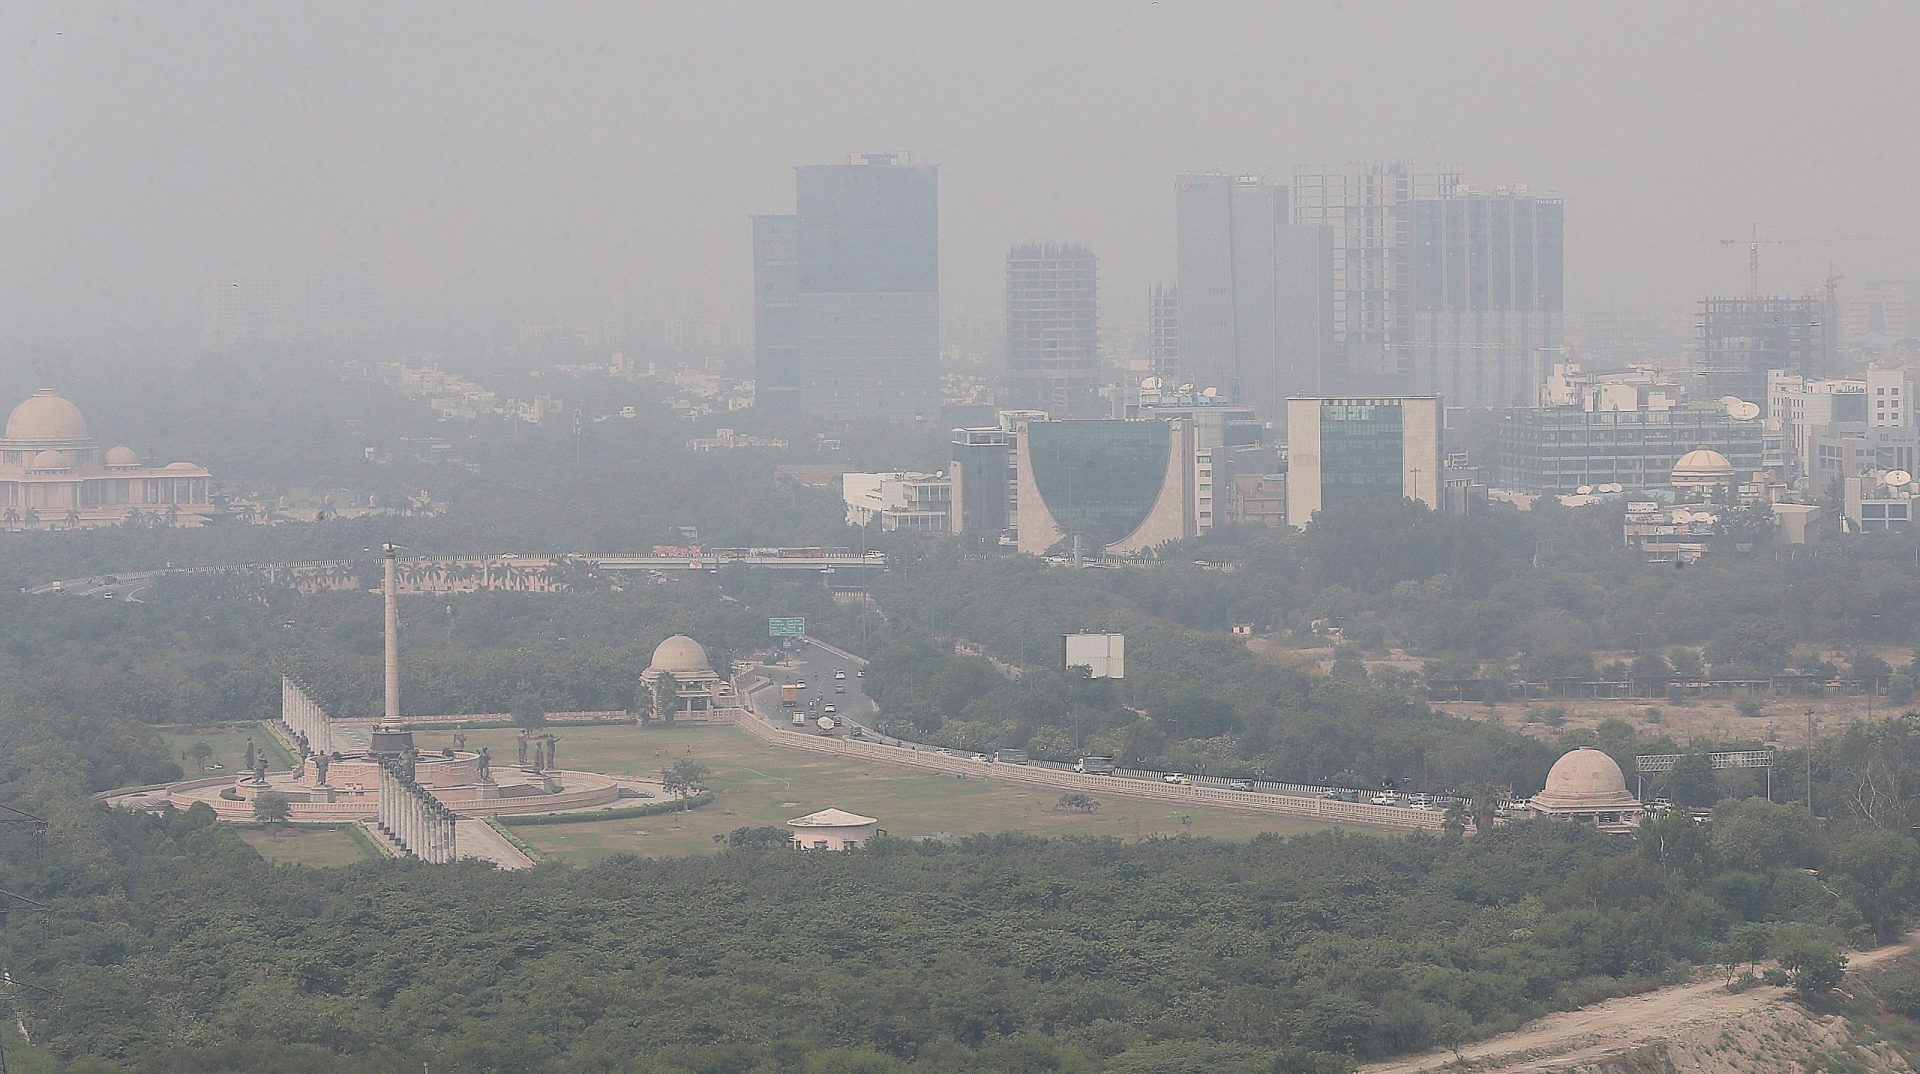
482,164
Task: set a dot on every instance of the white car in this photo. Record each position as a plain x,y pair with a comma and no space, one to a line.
839,674
1177,779
983,758
829,710
1385,798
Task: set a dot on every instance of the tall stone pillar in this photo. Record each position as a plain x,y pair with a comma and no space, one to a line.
391,591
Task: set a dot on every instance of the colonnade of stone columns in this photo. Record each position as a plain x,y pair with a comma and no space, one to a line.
304,716
414,818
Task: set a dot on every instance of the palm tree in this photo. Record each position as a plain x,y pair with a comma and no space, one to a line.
10,517
1457,818
73,518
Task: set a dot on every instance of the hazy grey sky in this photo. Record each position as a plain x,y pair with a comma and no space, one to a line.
486,161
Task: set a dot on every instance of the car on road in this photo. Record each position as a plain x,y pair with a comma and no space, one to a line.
1239,784
862,673
802,684
982,758
1177,779
839,687
944,752
839,674
1385,798
829,710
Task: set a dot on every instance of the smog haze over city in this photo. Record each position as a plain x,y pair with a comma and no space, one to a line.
964,538
497,162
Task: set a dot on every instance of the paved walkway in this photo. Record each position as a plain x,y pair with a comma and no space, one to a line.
476,839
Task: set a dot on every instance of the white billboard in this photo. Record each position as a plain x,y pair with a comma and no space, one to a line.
1106,654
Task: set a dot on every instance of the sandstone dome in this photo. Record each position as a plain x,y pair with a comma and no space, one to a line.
181,466
1702,465
46,416
1582,780
52,460
122,456
681,655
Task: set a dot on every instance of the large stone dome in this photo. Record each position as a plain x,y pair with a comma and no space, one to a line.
681,655
52,460
122,456
1585,780
45,416
1702,466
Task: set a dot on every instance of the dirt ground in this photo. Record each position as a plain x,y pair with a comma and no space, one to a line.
1782,721
1713,1030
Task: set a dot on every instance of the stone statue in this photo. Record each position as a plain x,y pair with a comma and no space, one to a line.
553,749
320,763
251,755
539,756
520,747
459,740
260,768
486,765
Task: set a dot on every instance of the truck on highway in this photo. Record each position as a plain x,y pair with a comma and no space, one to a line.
799,719
1094,766
789,695
1010,756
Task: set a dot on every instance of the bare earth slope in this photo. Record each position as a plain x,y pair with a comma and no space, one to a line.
1713,1029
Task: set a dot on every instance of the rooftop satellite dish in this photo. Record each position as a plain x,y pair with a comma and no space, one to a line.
1186,389
1741,410
1613,486
1896,479
1585,490
1683,516
1211,393
1729,400
1151,384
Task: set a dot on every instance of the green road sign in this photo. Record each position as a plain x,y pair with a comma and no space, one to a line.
791,627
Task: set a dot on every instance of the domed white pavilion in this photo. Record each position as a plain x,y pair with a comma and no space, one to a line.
832,829
1586,785
53,475
698,692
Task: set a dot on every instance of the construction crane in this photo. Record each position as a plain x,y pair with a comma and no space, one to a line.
1753,242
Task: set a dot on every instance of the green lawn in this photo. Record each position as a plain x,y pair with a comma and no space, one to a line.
760,785
229,749
318,847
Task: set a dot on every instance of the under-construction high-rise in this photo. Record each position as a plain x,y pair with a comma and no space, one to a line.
1368,208
1053,329
1742,339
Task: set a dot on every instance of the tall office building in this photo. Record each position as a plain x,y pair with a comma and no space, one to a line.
1163,330
1053,352
1342,451
858,335
1487,289
776,313
1368,207
1251,288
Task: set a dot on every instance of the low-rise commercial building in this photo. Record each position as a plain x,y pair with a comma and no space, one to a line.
899,502
1556,450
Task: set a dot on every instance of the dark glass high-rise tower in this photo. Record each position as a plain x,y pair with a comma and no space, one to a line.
857,336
